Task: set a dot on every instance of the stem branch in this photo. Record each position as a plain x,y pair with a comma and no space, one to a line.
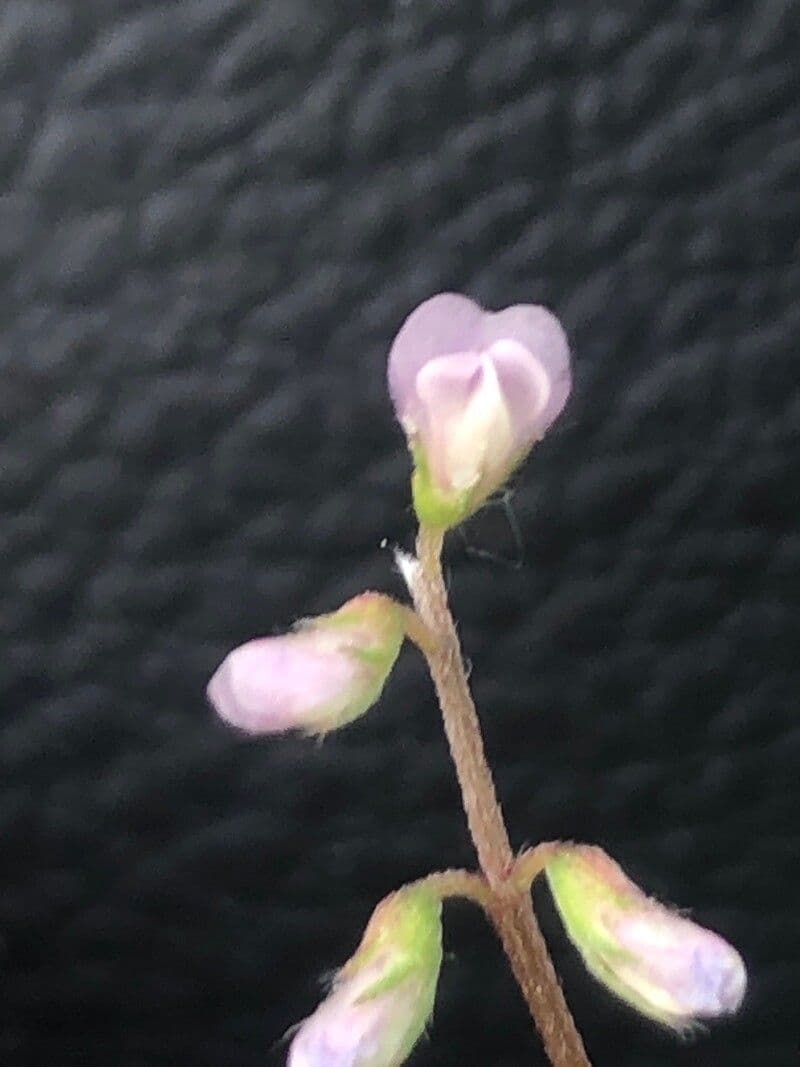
458,883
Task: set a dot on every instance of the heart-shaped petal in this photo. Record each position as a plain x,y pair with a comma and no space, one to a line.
474,390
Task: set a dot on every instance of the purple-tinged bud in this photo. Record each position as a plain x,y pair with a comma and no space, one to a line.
474,390
663,965
324,674
383,997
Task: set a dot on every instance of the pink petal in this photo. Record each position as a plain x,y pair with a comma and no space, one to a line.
278,683
340,1034
704,975
442,325
443,388
449,323
539,332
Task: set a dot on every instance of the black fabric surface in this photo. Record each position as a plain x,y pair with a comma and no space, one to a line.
214,217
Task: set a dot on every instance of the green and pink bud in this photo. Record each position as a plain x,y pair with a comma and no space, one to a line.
660,963
324,674
382,999
474,390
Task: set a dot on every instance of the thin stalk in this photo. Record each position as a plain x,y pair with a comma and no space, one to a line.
509,906
458,883
530,863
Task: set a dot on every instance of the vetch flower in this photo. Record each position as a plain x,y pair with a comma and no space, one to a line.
324,674
665,966
383,997
474,390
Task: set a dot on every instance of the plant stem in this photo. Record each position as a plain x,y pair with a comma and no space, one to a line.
458,883
510,908
530,863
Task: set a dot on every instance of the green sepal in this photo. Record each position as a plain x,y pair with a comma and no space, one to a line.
438,508
577,892
369,629
405,931
432,506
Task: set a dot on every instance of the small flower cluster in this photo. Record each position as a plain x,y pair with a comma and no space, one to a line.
473,391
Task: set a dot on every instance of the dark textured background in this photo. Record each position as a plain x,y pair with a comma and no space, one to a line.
214,216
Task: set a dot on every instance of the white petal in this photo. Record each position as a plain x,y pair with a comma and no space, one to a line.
468,430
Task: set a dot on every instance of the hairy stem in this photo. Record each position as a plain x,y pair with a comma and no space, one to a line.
458,883
509,906
530,863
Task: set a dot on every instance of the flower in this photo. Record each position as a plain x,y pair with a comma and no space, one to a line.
662,964
326,673
474,390
383,997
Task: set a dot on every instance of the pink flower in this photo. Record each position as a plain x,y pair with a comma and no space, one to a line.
474,390
662,964
326,673
383,996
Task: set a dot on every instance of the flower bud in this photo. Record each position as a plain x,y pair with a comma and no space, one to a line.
383,996
474,390
665,966
324,674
